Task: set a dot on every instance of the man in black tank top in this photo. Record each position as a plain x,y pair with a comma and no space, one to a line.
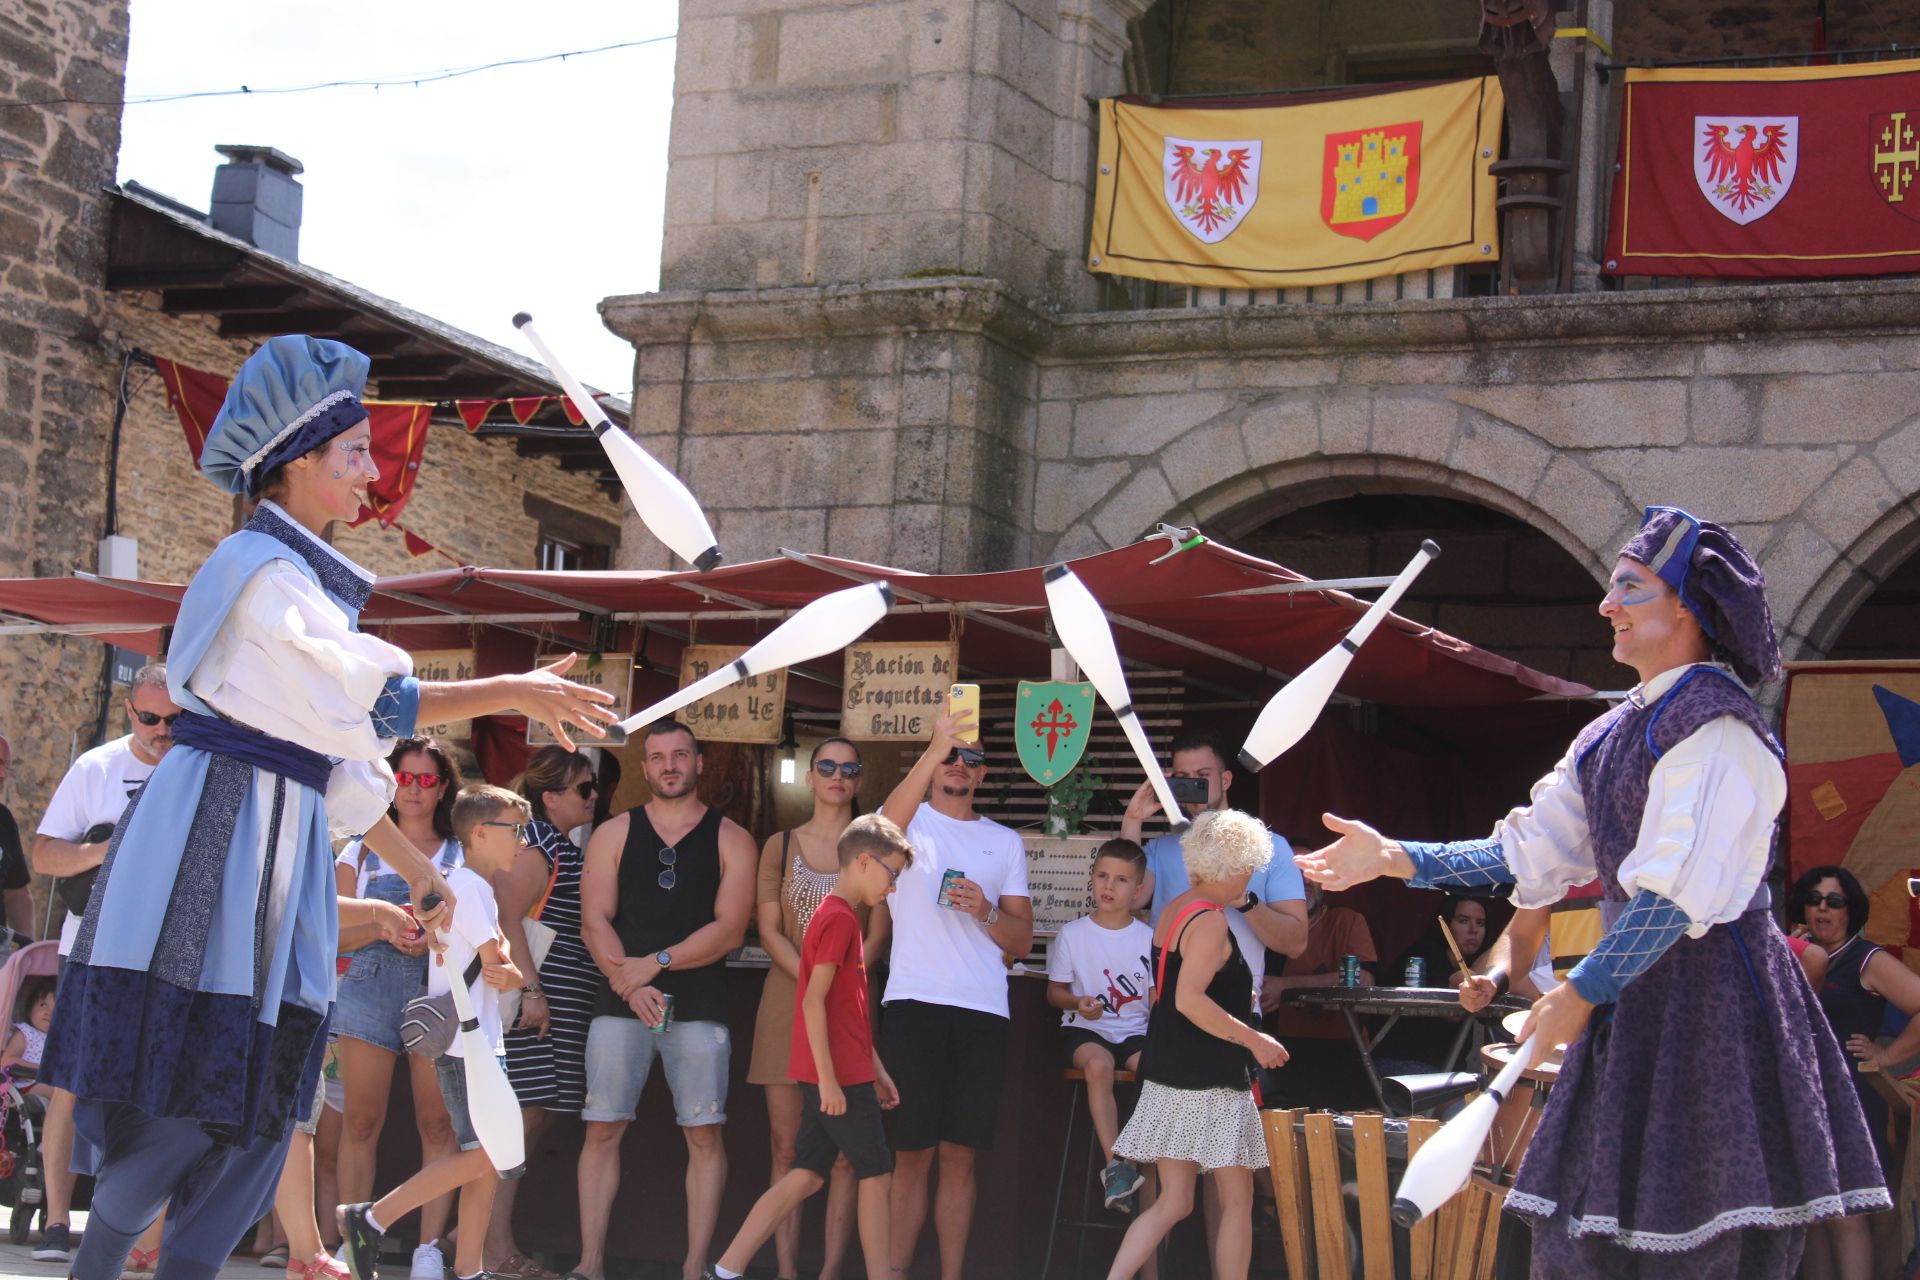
666,893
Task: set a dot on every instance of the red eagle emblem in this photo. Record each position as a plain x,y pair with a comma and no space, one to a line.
1746,170
1213,186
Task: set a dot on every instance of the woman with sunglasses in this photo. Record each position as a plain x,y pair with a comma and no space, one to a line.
547,1045
798,869
376,984
1829,906
1704,1115
194,1005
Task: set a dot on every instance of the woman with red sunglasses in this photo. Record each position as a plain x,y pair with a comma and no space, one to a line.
378,980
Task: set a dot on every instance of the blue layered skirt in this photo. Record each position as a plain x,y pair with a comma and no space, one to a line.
202,977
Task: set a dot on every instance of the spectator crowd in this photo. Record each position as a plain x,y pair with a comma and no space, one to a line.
593,957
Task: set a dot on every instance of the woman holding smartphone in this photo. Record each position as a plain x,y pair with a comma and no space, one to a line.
798,869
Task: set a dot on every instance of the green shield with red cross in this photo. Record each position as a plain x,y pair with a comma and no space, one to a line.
1053,719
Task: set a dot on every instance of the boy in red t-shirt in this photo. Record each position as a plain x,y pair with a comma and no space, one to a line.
843,1086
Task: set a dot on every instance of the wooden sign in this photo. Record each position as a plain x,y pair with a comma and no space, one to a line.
445,664
1059,869
612,672
750,710
893,692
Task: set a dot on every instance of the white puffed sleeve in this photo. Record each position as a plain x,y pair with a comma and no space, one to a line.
358,793
1707,831
287,662
1546,842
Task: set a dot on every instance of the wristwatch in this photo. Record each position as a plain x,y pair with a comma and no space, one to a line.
992,917
1249,902
664,959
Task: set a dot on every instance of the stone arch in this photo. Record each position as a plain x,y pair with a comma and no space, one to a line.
1250,460
1849,578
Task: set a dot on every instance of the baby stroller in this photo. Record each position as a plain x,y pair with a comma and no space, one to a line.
21,1183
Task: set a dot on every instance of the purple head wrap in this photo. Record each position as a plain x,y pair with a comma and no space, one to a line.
1720,584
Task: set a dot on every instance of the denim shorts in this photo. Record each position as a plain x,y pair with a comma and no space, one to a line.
373,992
620,1054
453,1090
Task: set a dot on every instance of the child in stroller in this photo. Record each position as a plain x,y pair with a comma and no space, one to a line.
27,981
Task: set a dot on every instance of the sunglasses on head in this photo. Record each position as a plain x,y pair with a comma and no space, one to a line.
845,768
972,757
1837,901
668,856
149,719
407,778
519,829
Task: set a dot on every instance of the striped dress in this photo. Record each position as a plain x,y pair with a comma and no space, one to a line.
551,1072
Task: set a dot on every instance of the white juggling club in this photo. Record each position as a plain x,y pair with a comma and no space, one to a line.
1291,712
1085,634
1445,1161
665,504
490,1100
828,624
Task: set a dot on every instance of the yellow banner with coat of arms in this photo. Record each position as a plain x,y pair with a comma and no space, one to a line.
1264,197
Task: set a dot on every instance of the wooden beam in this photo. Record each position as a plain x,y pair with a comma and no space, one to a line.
323,321
162,277
460,385
548,446
414,366
250,297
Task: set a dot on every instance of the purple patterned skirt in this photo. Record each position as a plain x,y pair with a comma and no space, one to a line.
1714,1099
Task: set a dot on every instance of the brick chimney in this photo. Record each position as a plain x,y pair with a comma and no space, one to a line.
256,197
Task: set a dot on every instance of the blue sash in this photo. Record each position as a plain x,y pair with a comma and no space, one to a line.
276,755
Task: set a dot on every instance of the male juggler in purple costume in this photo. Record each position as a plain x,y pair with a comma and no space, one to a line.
1704,1115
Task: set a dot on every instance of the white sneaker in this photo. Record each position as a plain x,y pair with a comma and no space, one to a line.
428,1264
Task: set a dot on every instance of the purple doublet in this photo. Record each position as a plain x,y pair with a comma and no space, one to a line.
1707,1117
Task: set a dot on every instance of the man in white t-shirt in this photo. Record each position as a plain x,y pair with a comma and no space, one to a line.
957,911
90,799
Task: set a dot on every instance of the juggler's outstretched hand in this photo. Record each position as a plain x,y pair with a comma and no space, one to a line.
1359,855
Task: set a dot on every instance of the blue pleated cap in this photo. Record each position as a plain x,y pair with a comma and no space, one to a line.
1720,583
292,395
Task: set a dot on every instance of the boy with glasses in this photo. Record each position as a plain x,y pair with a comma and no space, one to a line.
666,894
491,825
960,907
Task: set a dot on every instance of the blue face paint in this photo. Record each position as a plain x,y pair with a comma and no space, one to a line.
1630,589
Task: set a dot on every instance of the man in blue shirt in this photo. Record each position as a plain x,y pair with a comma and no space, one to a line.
1274,917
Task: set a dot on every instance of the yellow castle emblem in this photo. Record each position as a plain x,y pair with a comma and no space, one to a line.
1370,177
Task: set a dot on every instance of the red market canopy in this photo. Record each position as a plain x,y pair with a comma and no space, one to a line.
1233,623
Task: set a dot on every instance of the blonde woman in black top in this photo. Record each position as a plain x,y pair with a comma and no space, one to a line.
1196,1112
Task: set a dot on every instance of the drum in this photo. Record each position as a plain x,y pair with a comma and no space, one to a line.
1519,1115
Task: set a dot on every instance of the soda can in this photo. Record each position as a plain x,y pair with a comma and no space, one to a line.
952,877
1416,971
666,1011
1350,971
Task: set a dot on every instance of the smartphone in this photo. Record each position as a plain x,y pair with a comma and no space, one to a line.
966,697
1189,790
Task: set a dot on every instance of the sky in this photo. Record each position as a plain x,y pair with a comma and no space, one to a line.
530,188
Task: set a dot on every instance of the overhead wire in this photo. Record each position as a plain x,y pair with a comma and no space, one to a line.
414,80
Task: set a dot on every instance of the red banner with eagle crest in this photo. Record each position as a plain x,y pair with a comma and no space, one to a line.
1783,171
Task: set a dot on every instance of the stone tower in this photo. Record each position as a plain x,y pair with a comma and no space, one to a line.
868,208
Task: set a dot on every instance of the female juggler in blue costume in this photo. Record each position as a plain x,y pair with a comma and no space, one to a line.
192,1013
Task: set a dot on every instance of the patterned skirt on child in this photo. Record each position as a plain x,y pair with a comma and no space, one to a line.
1213,1128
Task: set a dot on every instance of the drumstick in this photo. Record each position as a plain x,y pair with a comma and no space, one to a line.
1466,975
